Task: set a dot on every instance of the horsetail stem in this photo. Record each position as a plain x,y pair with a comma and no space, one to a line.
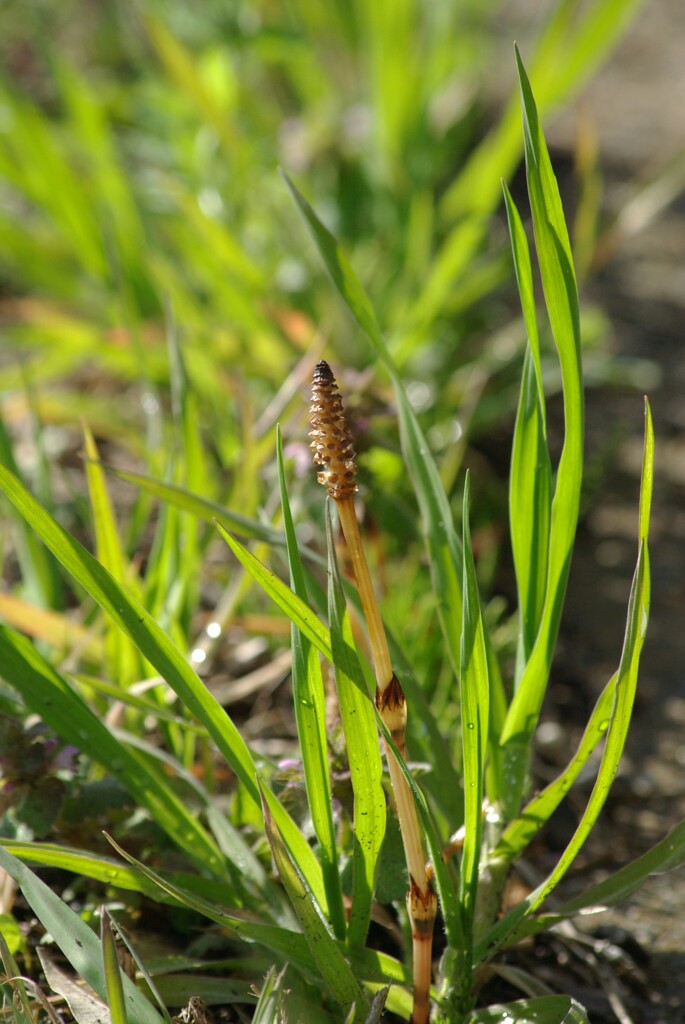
333,449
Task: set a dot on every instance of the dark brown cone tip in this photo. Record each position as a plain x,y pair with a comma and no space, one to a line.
392,696
331,443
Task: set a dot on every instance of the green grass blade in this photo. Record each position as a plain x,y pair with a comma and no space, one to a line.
310,717
438,527
75,938
47,694
201,507
665,856
38,569
521,830
558,279
540,1010
80,862
113,976
299,613
530,478
626,681
335,970
123,663
474,695
154,645
443,877
363,753
145,633
290,945
122,876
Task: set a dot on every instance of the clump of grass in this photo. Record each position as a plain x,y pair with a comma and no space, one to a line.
472,813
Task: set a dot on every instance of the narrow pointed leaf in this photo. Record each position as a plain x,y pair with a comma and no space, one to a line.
154,645
509,927
310,716
299,613
112,971
363,752
530,478
561,298
75,938
474,692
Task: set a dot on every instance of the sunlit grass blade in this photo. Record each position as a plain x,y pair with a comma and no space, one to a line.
310,716
626,681
561,298
122,876
38,569
112,971
443,878
124,664
148,637
80,862
519,832
441,538
299,613
474,696
75,938
665,856
539,1010
530,477
201,507
335,970
363,753
50,696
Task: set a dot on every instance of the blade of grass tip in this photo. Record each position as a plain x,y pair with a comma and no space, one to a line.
112,971
140,966
474,695
335,970
310,716
530,479
124,665
558,279
616,726
363,752
665,856
438,527
75,938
